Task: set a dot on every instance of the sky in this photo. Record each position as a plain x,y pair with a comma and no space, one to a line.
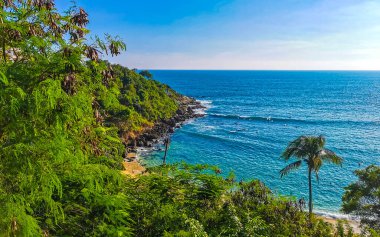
241,34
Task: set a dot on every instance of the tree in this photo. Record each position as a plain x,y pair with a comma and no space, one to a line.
362,198
310,150
146,74
188,200
166,143
59,162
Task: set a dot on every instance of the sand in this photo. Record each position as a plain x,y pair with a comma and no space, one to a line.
133,168
354,224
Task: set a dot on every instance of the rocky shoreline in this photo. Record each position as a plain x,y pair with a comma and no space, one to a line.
189,108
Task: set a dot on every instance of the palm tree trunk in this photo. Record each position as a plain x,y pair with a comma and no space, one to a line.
166,150
310,196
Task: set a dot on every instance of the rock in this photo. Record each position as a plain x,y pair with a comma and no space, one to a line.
180,111
161,128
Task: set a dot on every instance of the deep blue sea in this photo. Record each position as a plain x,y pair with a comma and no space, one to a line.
253,115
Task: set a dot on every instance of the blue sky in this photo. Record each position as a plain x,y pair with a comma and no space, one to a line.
242,34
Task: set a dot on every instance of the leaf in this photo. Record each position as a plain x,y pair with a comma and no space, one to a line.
113,139
290,167
3,79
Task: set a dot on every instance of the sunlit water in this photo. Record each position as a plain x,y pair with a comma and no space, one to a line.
253,115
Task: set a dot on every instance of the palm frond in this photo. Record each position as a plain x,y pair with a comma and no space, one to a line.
316,163
290,167
330,156
296,148
321,141
317,176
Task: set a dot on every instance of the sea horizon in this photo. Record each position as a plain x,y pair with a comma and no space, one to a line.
190,118
281,70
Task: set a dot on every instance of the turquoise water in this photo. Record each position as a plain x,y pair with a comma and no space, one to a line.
253,115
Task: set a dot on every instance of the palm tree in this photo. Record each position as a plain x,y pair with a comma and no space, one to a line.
166,143
310,150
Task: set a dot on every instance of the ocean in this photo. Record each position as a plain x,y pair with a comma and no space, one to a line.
253,115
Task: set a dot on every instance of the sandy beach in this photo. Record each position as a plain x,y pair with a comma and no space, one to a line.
132,167
334,221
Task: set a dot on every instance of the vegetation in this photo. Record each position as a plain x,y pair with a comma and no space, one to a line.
183,200
136,102
146,74
362,198
312,151
65,117
61,113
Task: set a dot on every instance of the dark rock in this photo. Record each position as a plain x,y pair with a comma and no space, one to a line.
180,111
162,128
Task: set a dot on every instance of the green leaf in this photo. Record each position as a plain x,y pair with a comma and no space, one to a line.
3,79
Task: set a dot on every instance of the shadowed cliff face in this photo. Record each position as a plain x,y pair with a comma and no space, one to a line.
187,109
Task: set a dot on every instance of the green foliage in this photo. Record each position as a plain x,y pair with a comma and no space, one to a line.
311,151
62,113
362,198
343,229
59,162
144,101
182,200
146,74
373,233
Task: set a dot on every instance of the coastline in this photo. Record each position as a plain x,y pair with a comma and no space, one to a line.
354,224
189,108
334,217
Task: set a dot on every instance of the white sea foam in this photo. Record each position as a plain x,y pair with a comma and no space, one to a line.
336,215
143,152
207,104
200,111
205,128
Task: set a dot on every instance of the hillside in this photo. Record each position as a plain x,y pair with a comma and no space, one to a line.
66,118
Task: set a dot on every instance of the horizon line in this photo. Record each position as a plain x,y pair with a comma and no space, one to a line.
305,70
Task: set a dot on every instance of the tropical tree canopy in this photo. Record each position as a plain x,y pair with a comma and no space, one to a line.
362,198
62,111
65,117
310,150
